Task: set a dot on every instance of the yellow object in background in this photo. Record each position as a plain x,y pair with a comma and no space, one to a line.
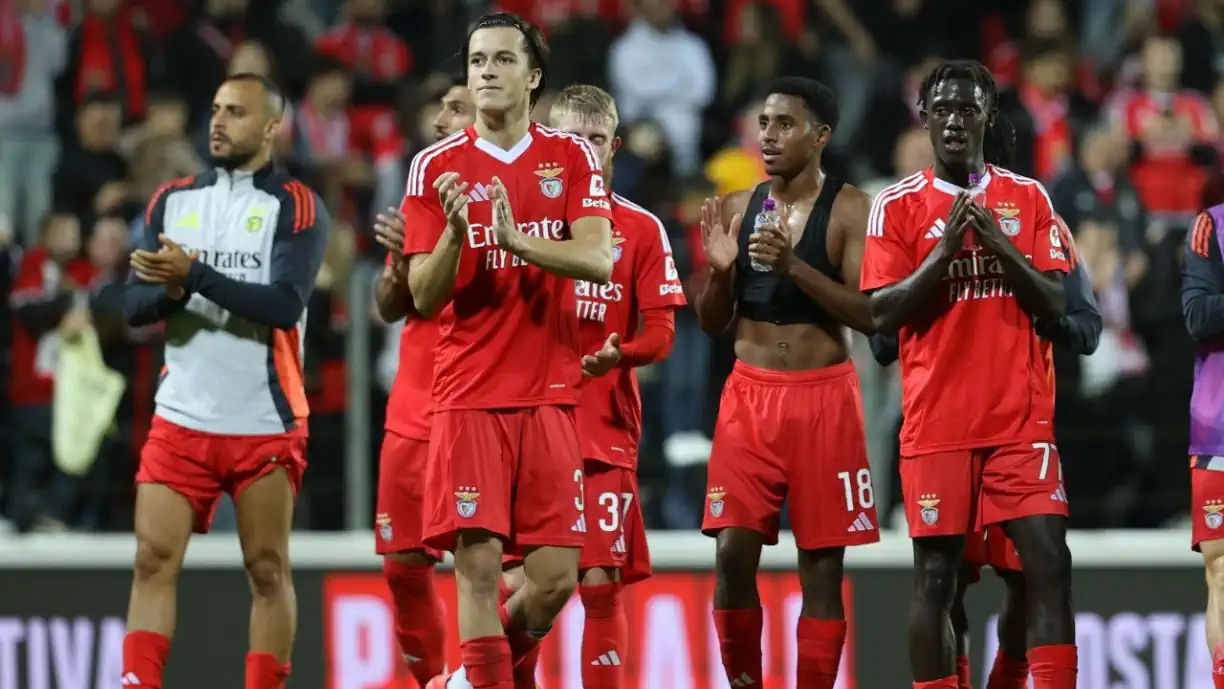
87,394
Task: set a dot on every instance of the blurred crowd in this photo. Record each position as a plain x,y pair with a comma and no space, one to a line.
1116,104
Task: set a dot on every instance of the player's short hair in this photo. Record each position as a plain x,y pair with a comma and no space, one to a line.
587,102
276,97
999,144
819,99
533,39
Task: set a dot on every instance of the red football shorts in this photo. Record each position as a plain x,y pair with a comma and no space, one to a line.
964,491
797,436
200,466
514,472
992,547
401,480
1206,505
616,534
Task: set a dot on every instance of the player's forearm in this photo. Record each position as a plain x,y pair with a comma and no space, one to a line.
146,304
716,303
392,295
581,260
895,305
884,348
1203,314
1080,328
431,278
277,305
654,342
1042,296
848,306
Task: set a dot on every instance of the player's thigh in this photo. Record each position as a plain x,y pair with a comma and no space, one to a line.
469,475
549,486
940,491
163,524
1022,480
399,520
745,480
832,498
184,462
1207,509
1000,551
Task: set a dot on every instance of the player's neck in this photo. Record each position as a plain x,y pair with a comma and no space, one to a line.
959,174
503,129
254,164
803,185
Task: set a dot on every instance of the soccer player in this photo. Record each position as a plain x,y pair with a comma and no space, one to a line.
790,423
501,218
645,286
1079,330
240,247
965,261
1203,310
408,565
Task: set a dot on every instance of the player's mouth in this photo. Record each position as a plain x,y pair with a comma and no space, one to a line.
219,139
770,154
484,89
955,143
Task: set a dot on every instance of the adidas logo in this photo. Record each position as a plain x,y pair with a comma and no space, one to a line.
479,192
580,525
742,681
609,659
861,523
937,230
129,679
1059,495
619,545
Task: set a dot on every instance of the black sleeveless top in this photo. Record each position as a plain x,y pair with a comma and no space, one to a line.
770,298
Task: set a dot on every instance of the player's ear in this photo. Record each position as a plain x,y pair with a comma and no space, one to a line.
616,144
922,115
533,79
823,133
273,129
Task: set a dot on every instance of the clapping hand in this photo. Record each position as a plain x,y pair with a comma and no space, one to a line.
389,231
605,359
453,195
507,230
169,266
721,243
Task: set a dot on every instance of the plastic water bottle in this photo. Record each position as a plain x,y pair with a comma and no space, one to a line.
767,216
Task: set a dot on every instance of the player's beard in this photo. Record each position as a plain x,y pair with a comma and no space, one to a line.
236,158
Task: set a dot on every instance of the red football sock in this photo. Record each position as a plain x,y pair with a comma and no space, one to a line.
739,639
419,624
524,647
1008,673
963,679
1054,667
820,648
264,671
603,638
487,662
1217,667
948,682
144,658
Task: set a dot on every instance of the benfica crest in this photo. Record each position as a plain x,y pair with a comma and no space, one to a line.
465,501
550,181
1009,220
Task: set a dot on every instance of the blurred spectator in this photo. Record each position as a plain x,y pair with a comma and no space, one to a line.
1047,111
1202,36
1167,126
660,70
1045,28
33,52
92,177
894,110
108,53
158,149
758,52
738,165
50,304
377,58
644,167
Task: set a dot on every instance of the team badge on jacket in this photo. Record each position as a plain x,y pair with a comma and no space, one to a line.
550,181
930,509
465,501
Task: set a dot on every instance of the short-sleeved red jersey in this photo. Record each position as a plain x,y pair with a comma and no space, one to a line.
509,336
974,374
644,277
410,404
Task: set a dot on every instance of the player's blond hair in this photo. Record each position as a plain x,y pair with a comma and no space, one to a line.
587,102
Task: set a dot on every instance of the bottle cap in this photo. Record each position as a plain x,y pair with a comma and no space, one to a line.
974,179
769,205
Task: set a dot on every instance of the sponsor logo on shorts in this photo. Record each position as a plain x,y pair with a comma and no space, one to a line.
465,501
716,502
1214,516
383,520
930,508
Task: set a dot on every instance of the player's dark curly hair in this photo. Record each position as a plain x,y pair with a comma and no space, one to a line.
999,143
533,39
818,98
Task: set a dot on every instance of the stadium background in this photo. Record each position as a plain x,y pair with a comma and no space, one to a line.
1116,103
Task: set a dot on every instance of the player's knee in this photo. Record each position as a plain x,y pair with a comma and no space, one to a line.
478,564
267,572
599,576
514,578
735,562
411,558
935,579
1049,571
155,561
554,586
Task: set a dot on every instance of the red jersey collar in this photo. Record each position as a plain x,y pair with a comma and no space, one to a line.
950,188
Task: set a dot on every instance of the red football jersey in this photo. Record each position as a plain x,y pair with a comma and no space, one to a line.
410,405
644,277
974,374
509,336
40,279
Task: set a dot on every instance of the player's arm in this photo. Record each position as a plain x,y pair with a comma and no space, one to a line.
716,305
145,303
885,348
302,229
1037,283
842,300
1079,329
392,295
435,226
659,293
898,289
1202,290
653,341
